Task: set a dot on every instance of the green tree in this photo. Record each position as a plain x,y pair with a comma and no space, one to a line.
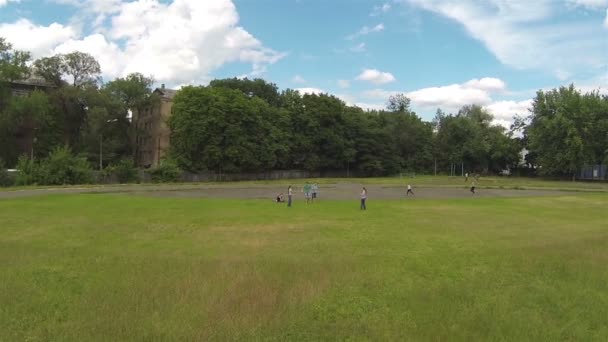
224,130
567,130
50,69
82,68
13,63
268,92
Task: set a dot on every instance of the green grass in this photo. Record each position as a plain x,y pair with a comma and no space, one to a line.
114,268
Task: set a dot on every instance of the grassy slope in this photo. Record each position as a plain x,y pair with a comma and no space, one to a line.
110,267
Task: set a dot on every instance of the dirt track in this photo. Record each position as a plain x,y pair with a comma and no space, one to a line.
340,191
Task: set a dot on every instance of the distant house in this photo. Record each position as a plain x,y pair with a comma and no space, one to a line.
594,172
152,133
27,86
26,134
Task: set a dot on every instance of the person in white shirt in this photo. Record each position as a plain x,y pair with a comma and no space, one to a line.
363,198
409,190
314,189
289,194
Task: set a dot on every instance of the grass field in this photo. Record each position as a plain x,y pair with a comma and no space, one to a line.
113,267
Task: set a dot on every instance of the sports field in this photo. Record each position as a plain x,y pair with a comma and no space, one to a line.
175,263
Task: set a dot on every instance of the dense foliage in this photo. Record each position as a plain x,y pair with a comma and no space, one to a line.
242,125
61,167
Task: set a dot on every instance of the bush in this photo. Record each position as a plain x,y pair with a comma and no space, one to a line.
27,171
125,171
5,178
166,172
60,168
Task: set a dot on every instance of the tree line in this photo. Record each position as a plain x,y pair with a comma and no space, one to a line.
243,125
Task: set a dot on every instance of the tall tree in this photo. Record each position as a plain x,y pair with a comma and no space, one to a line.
13,63
50,69
82,68
567,130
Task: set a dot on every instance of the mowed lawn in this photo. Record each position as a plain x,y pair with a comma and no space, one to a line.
118,267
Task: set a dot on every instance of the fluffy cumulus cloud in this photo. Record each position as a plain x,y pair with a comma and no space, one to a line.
179,42
524,34
452,97
449,97
39,40
505,111
376,77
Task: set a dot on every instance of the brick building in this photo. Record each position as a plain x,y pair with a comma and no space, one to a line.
152,133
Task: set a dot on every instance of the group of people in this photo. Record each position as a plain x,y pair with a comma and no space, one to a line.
310,191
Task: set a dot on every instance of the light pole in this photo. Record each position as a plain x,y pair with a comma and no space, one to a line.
34,139
101,143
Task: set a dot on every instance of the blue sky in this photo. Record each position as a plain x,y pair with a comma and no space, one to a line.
441,53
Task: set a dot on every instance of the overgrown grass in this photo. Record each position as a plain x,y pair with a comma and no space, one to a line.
113,267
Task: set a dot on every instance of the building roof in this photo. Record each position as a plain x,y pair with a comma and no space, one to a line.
164,92
34,81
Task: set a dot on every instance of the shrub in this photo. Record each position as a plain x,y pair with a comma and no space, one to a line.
5,178
27,173
61,167
125,171
166,172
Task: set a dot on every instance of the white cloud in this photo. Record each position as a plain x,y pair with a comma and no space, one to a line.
506,110
343,84
358,48
522,34
376,77
378,10
298,79
365,30
5,2
316,91
450,97
606,20
180,42
490,84
39,40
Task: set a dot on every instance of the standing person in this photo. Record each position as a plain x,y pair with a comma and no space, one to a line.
306,190
409,190
363,198
473,188
289,194
315,189
466,177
